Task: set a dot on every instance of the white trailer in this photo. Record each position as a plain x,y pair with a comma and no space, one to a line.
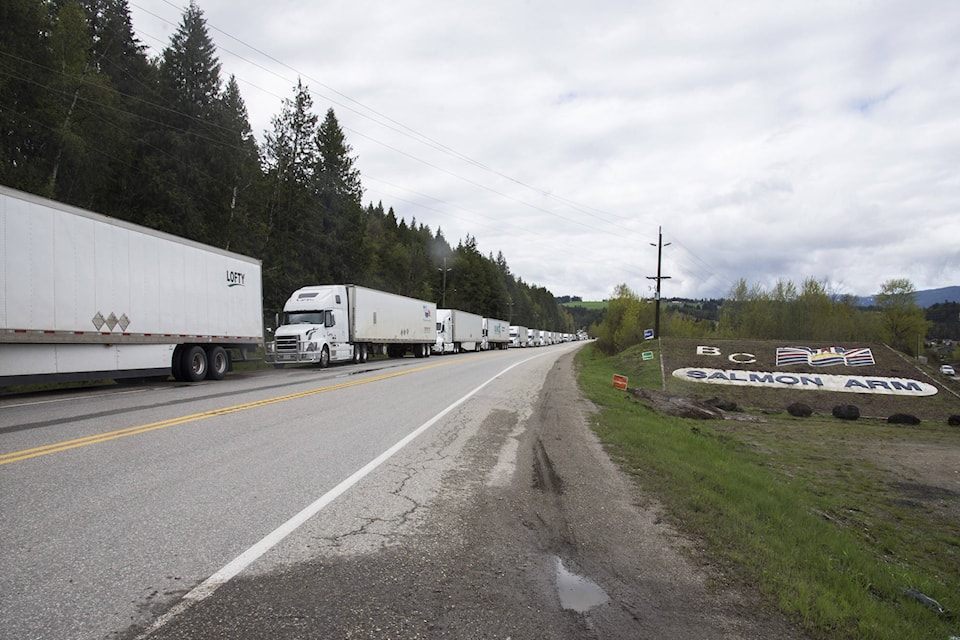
496,334
458,331
87,297
345,323
519,336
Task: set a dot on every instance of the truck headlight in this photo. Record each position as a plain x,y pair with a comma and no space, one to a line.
311,346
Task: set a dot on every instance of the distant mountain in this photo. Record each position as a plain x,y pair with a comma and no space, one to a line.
925,298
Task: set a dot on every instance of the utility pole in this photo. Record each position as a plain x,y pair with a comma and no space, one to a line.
658,278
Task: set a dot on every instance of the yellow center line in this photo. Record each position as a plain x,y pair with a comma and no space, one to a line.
26,454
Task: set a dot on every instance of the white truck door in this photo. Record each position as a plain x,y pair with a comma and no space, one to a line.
337,335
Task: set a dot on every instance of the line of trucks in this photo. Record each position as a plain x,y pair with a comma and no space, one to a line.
84,296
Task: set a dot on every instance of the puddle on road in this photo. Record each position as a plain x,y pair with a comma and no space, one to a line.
576,592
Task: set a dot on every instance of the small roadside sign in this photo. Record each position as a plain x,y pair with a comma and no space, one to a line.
620,382
648,334
647,355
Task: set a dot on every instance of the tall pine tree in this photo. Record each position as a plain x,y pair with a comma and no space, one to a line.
290,158
339,193
184,194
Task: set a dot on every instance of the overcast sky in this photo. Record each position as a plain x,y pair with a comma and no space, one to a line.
769,140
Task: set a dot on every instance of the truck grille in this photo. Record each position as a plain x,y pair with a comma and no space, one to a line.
287,344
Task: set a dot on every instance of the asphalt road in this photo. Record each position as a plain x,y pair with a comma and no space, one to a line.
117,502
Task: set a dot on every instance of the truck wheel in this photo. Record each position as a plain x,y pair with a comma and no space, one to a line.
193,363
324,358
218,361
359,353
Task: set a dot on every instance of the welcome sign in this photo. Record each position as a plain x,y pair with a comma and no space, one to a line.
808,381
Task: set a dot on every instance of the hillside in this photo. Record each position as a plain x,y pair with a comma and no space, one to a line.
926,298
727,362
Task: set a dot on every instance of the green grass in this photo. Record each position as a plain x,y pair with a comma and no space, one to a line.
792,508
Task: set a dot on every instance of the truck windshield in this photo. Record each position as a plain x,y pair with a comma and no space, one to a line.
304,317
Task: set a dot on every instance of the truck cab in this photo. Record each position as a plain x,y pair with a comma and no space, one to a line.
444,342
314,328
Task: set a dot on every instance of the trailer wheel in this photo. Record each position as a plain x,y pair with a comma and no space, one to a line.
194,363
364,355
218,361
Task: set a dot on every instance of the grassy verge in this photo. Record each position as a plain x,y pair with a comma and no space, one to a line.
793,508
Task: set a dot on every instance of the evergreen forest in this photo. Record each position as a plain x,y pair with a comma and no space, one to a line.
87,118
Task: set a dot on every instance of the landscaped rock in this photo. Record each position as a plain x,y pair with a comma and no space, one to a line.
846,412
903,418
723,405
800,410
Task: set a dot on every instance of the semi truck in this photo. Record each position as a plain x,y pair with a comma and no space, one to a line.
347,323
519,336
458,331
88,297
496,334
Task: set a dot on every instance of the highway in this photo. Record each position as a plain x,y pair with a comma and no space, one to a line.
119,501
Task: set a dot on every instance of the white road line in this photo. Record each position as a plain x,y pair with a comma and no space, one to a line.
248,557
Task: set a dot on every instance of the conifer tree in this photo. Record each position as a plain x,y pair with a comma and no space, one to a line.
185,196
339,191
26,128
290,157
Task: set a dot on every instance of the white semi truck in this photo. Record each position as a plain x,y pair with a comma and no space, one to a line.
519,336
346,323
496,334
458,331
87,297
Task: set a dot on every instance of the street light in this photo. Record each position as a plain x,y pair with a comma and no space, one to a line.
443,301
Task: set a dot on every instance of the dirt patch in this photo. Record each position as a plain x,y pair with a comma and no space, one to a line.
930,472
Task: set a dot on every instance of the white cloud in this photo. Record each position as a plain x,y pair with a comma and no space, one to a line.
770,140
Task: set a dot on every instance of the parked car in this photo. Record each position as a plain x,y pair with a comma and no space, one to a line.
947,370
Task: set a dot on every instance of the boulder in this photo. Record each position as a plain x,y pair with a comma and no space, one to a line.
723,405
846,412
800,410
953,421
903,418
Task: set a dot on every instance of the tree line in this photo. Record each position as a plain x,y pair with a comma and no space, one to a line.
88,119
785,312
